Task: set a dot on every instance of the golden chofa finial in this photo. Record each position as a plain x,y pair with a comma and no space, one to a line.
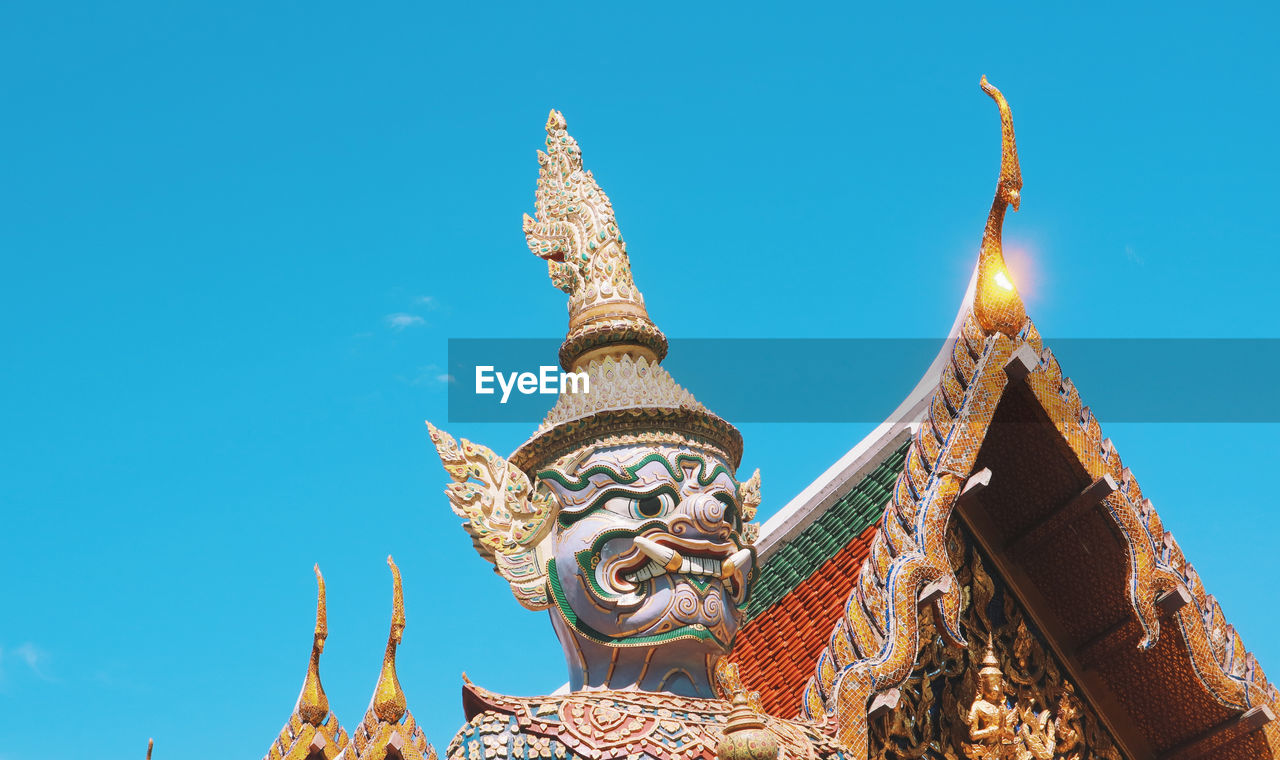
997,306
151,743
388,699
313,705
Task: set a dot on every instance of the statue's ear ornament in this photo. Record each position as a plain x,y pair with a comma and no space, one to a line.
506,517
749,502
749,496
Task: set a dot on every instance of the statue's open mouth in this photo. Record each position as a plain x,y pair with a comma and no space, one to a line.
657,553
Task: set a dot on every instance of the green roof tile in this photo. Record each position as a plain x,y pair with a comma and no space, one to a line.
844,520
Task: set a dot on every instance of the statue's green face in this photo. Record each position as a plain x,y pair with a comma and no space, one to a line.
648,548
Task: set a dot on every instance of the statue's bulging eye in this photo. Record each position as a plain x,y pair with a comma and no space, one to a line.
649,506
641,507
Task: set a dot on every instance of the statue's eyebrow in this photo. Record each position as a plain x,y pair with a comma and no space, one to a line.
624,476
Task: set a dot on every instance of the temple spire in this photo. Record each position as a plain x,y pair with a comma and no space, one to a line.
997,305
313,705
388,731
388,698
311,731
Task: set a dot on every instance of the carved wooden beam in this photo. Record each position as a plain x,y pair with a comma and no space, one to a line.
1126,632
395,746
1066,514
973,486
884,703
1214,740
934,591
1023,362
1101,647
1171,601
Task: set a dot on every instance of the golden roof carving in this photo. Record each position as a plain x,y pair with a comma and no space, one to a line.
388,729
388,698
997,305
874,644
311,728
313,705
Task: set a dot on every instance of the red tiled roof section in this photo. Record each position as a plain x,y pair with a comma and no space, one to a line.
776,651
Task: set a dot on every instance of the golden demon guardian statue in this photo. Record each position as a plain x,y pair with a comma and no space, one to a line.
624,517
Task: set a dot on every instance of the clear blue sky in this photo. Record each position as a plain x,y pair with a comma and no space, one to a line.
237,235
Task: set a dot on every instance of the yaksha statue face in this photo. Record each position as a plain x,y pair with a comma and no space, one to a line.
648,547
622,514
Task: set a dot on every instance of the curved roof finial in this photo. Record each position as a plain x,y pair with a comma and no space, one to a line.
151,743
997,306
313,705
388,698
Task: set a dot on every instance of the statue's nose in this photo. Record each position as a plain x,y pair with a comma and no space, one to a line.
705,513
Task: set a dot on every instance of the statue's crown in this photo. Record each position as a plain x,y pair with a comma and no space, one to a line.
576,233
611,337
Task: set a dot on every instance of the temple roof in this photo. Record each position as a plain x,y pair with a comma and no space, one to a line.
388,729
999,438
802,586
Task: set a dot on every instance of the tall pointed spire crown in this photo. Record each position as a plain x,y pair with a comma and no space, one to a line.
313,705
997,305
388,698
611,338
990,663
576,233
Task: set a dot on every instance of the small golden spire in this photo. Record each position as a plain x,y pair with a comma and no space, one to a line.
997,306
313,705
745,737
151,743
990,663
388,699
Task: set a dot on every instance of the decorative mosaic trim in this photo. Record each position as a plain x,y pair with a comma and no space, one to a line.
613,725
